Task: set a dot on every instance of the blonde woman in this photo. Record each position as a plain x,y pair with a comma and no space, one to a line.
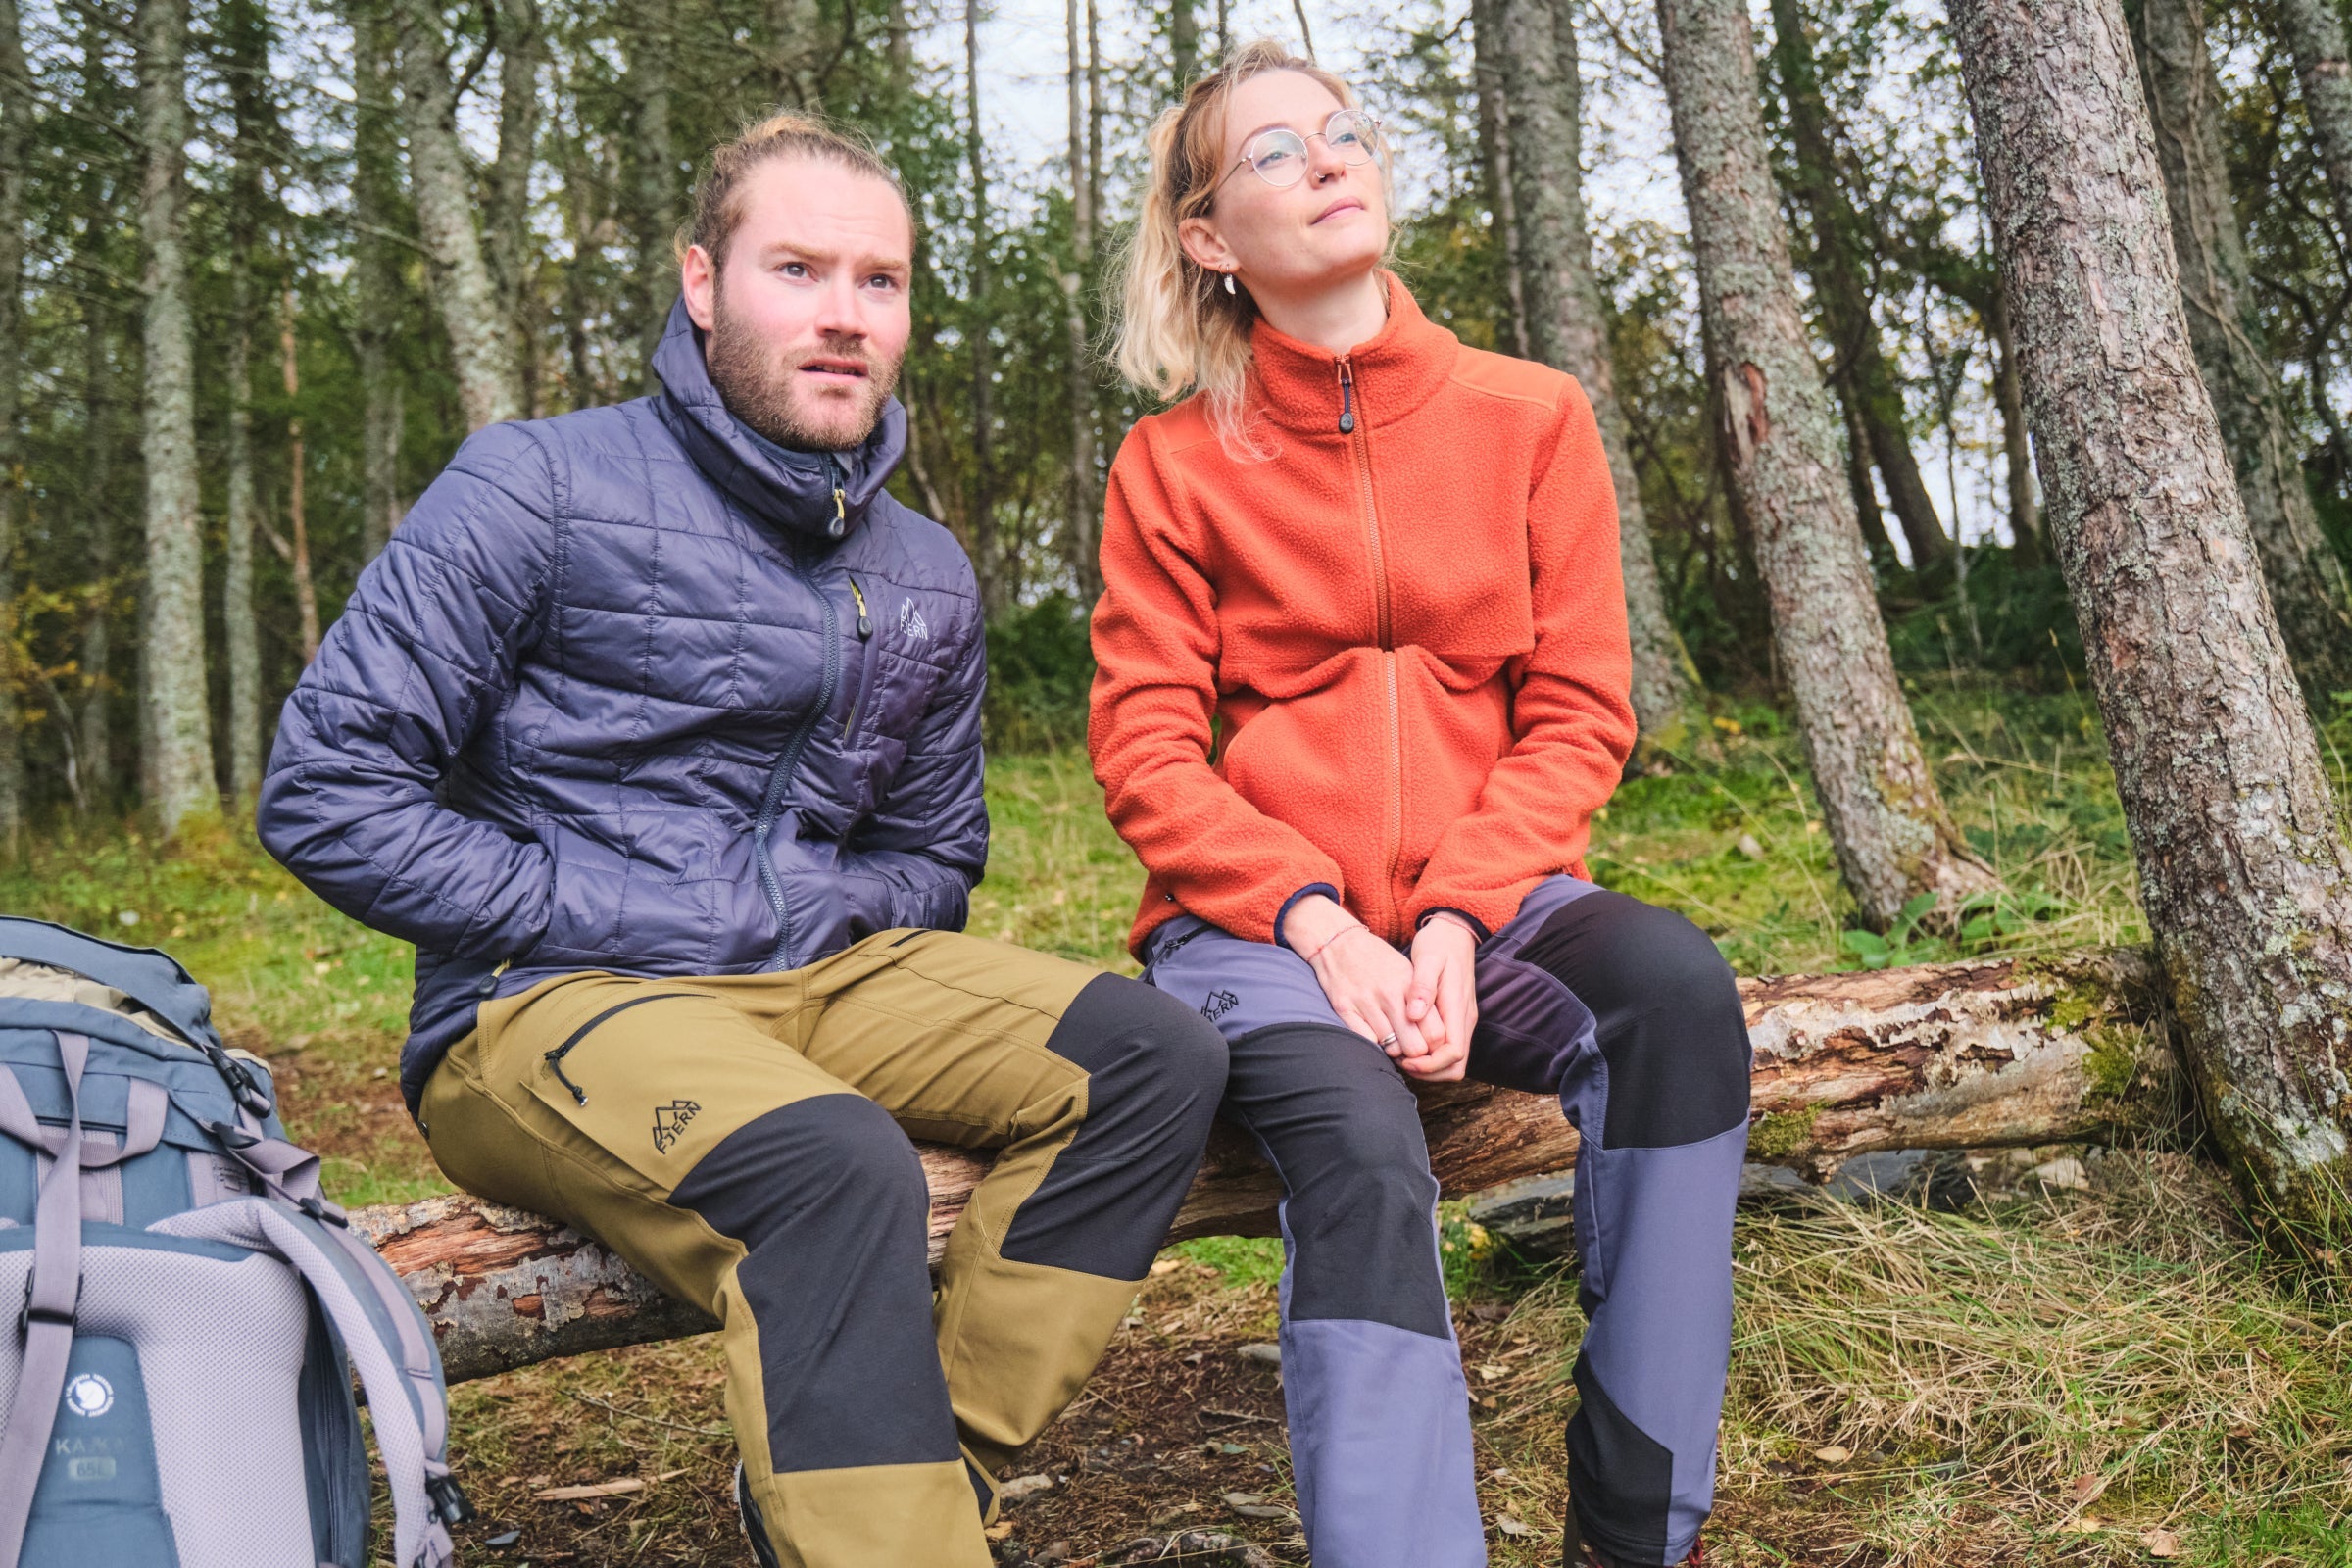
1364,673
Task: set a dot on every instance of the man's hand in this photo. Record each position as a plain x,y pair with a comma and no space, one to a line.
1363,977
1442,998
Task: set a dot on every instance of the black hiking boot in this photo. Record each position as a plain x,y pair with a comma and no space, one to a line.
755,1531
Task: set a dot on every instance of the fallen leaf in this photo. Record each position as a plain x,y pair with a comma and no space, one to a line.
1268,1511
1489,1372
1019,1486
1166,1266
1515,1527
1832,1455
1243,1500
1264,1354
2160,1542
998,1531
510,1536
2085,1489
604,1488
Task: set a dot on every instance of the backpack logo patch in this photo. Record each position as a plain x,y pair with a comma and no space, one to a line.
911,622
1218,1005
669,1123
90,1395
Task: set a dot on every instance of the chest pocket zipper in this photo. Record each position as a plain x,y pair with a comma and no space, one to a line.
865,665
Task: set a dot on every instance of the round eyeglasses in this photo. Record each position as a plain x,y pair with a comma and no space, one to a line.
1279,156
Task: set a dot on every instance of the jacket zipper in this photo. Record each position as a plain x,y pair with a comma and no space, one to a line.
1360,457
865,664
788,763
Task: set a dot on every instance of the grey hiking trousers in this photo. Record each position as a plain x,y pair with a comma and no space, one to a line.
1628,1013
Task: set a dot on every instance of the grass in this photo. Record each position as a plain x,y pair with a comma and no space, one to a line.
2040,1383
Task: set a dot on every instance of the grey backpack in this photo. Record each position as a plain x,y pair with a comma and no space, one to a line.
178,1383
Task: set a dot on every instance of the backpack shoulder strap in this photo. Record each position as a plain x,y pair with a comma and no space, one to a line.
52,1297
148,976
388,1342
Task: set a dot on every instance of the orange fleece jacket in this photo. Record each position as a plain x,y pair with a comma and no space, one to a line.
1390,663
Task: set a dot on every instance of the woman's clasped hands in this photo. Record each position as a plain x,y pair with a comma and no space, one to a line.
1419,1009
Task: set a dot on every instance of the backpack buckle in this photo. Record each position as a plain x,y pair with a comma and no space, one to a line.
29,1314
231,1138
449,1501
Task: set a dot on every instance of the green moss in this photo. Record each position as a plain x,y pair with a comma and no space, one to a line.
1781,1133
2115,1055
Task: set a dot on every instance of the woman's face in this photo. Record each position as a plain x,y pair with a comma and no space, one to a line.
1328,228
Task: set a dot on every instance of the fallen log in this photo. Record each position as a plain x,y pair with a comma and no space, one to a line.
2000,1051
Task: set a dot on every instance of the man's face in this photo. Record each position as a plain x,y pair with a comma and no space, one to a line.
805,324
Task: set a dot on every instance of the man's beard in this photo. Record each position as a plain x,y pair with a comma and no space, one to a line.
758,387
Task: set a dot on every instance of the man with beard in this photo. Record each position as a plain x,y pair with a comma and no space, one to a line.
656,730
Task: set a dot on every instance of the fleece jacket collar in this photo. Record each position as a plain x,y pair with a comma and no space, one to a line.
1402,366
789,491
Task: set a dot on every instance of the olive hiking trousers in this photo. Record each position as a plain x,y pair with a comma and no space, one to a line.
743,1140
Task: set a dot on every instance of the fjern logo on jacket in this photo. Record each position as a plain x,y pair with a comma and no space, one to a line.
669,1123
911,622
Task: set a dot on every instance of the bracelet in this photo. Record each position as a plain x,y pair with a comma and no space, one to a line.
1352,925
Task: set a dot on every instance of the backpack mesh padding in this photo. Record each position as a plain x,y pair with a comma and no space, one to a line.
220,1340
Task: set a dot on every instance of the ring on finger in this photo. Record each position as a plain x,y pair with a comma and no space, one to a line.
1384,1041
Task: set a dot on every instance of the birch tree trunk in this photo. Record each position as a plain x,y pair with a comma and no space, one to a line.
2244,872
1084,506
800,49
655,181
1841,272
244,30
2308,591
15,117
1567,326
298,553
481,342
375,191
1886,821
178,716
1184,45
2314,33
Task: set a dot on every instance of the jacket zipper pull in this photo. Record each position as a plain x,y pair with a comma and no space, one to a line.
865,623
841,498
1347,397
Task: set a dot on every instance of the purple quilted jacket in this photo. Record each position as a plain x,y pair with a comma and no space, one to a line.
635,689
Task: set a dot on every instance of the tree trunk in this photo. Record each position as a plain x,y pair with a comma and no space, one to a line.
1887,822
1568,329
15,116
1841,281
1865,490
654,189
994,590
798,43
1495,162
1084,506
1961,1055
95,753
2244,873
2308,591
2314,33
506,182
2009,391
481,342
1184,45
376,176
179,764
298,553
245,31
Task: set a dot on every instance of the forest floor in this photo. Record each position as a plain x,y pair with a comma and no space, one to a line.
2117,1374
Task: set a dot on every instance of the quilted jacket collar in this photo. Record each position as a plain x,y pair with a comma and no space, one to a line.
787,490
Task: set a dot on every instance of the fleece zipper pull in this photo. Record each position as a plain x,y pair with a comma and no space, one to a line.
865,622
1347,397
841,497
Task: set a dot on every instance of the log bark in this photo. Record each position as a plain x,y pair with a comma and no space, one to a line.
1956,1056
1886,821
177,716
1841,272
1568,326
2243,868
2307,590
481,343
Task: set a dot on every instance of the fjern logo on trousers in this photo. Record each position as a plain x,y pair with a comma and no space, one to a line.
669,1123
1218,1005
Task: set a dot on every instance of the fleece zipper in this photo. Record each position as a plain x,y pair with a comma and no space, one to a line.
1359,455
779,777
